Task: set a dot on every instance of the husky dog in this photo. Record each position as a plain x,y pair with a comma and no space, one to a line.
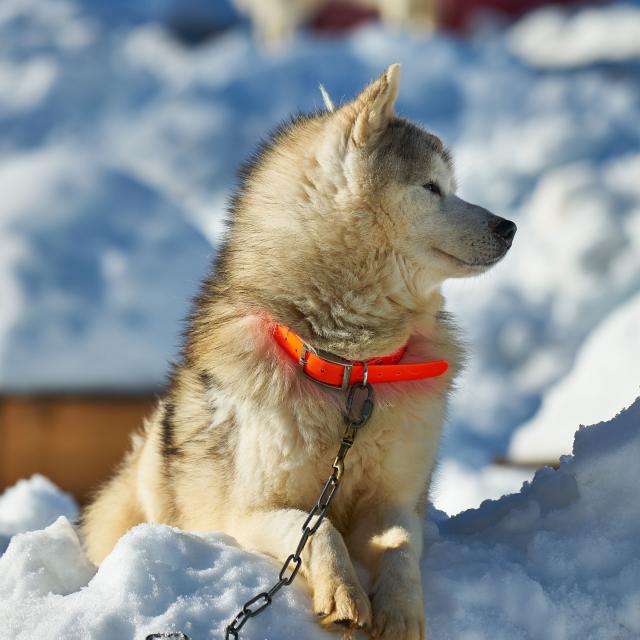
343,228
274,21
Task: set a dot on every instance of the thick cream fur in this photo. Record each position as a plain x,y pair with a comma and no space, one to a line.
328,237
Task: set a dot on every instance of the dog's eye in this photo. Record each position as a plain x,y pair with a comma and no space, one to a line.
433,188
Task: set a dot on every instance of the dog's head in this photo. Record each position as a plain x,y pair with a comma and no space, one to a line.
405,174
354,214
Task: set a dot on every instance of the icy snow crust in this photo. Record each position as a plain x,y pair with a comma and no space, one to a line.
558,561
119,146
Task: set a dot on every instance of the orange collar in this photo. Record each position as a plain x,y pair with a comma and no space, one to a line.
334,371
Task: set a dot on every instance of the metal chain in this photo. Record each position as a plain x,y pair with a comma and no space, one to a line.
355,418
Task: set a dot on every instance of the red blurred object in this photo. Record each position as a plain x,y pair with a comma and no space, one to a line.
457,15
336,16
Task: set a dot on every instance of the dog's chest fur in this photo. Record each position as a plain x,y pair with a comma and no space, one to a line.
235,445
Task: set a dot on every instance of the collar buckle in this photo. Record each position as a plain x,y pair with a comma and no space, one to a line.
328,357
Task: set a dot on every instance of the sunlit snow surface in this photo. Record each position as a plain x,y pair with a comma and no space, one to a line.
119,146
586,394
32,504
558,561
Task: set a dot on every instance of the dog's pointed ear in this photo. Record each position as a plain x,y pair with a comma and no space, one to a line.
326,98
374,107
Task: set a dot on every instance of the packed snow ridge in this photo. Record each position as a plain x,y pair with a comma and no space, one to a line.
133,138
560,560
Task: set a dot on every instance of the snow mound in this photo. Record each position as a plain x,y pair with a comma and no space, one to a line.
133,139
457,487
604,378
45,562
560,561
156,579
32,504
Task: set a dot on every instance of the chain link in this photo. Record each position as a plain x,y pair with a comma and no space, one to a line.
355,417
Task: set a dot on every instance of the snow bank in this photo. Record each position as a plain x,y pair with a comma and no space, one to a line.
560,561
93,240
43,563
458,487
156,579
32,504
119,145
605,377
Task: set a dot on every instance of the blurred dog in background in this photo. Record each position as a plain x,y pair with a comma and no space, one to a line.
276,20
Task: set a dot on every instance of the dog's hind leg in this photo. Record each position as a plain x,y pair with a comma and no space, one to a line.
113,511
338,596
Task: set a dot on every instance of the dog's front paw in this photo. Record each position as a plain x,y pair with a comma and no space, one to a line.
398,614
341,602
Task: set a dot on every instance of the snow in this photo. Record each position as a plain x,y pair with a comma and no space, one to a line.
458,487
120,144
49,561
560,560
156,579
32,504
585,395
553,38
119,147
106,216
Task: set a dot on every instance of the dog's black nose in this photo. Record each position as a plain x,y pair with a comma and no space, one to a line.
505,229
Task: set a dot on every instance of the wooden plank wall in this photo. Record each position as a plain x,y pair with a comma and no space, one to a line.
75,440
